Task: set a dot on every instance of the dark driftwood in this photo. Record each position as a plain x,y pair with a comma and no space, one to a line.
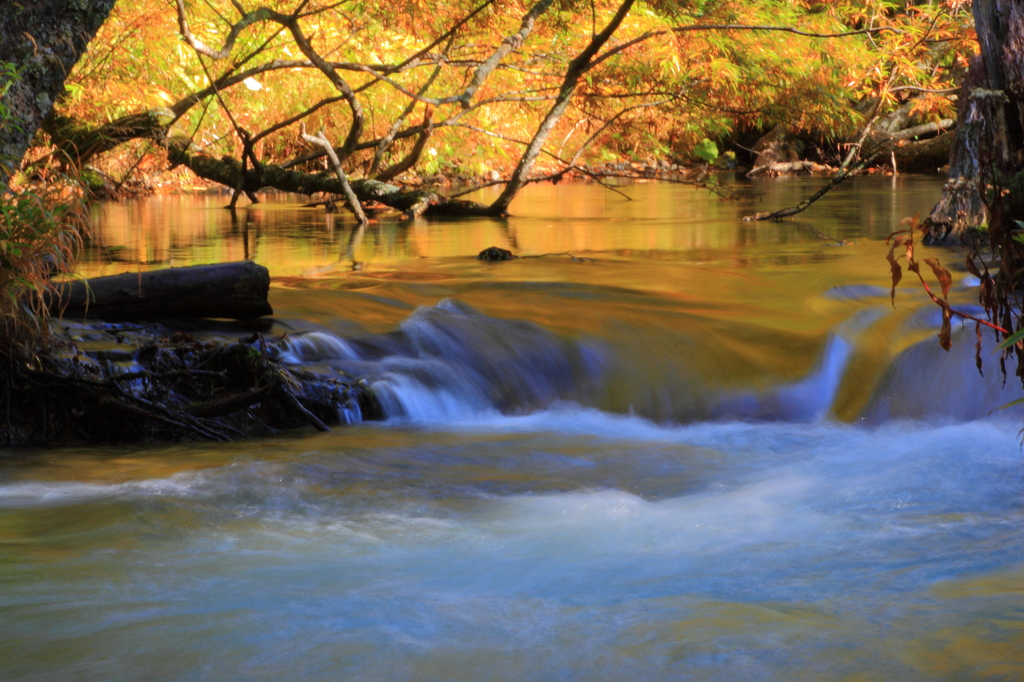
227,290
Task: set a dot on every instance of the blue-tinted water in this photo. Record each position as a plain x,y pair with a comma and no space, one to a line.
708,458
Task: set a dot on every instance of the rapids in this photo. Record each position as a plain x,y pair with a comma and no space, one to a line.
679,447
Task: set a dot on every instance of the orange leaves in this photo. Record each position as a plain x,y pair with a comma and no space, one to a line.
941,274
894,268
715,81
945,282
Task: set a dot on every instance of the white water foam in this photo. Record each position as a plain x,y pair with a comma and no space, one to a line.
40,494
613,521
403,398
316,347
787,528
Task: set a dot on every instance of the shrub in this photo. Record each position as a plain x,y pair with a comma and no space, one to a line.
42,222
41,231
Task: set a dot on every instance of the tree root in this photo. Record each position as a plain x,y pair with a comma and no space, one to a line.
186,391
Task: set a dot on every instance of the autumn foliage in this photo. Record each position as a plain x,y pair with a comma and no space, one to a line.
673,74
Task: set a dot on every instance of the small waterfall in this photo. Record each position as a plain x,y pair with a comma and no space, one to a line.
404,397
802,401
510,363
450,363
314,347
349,412
926,382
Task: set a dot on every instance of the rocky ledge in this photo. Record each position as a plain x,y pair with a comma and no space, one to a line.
116,383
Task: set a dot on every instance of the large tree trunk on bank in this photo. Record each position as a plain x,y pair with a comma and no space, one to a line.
43,39
960,206
990,138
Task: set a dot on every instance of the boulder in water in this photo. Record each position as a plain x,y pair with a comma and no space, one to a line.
493,253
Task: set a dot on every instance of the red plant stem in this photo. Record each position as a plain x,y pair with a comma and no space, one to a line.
954,312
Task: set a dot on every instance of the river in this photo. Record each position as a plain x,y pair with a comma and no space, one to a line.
680,446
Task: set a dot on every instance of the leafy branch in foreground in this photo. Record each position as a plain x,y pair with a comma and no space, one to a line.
41,230
905,238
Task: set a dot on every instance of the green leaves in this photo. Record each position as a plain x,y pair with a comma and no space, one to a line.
706,150
1012,340
1012,403
10,247
1017,234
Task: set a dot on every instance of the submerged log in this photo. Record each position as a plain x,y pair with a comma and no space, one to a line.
789,167
226,290
174,388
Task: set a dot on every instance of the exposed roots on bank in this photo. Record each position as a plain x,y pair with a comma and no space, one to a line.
155,385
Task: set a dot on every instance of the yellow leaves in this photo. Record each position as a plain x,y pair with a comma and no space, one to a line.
727,79
724,68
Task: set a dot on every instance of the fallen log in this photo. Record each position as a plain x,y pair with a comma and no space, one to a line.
924,156
235,291
228,172
788,167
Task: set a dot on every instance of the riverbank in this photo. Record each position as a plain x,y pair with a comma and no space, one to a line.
123,382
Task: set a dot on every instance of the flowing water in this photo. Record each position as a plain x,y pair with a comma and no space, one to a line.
692,448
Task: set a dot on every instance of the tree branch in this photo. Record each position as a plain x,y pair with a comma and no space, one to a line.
572,75
247,20
321,141
733,27
509,44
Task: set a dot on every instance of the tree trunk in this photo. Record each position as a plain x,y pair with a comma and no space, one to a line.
990,137
235,291
43,39
227,171
577,67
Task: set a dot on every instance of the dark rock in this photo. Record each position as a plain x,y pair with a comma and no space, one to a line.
493,253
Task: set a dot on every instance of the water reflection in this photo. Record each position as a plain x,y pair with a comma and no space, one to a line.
579,218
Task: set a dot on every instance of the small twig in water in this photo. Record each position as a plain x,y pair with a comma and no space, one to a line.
144,374
715,189
838,242
565,253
